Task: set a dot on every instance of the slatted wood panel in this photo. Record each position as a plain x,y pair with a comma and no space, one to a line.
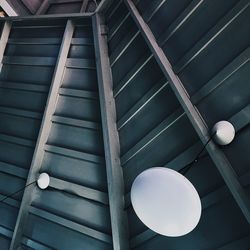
24,83
76,203
153,129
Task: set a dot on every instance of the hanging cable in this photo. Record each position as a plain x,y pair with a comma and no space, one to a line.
18,191
187,167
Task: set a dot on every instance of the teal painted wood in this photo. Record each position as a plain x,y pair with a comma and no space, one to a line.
215,95
70,145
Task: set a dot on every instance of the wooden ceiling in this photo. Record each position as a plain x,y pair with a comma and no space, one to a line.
40,7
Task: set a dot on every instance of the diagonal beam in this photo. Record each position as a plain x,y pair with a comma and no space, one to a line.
7,8
119,221
84,6
3,40
43,7
218,157
103,6
30,193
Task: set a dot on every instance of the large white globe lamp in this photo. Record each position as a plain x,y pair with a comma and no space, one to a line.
166,201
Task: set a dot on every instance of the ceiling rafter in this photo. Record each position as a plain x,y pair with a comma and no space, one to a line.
43,135
119,221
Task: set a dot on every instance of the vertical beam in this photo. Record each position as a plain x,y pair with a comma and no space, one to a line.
31,192
7,8
119,221
4,39
217,156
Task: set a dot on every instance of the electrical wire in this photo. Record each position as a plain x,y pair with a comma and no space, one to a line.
18,191
183,170
187,167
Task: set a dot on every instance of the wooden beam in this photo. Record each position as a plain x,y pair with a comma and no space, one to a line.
84,6
74,154
218,157
103,6
72,16
32,6
119,221
79,190
4,39
71,225
64,1
46,4
7,8
43,7
43,135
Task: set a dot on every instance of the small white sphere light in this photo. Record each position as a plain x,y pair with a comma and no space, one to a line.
224,132
166,201
43,180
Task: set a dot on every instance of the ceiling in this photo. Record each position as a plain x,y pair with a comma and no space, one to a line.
92,101
39,7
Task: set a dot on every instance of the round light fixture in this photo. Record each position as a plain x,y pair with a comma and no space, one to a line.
43,180
224,132
166,201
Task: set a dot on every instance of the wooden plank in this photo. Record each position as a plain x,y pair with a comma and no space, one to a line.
149,96
6,232
132,74
84,6
78,93
13,170
29,60
74,154
8,8
82,41
180,21
33,244
10,201
210,36
111,141
152,135
21,113
17,140
81,191
24,86
80,63
35,41
43,134
63,1
43,7
3,40
71,225
76,122
118,52
72,16
115,29
104,5
32,6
